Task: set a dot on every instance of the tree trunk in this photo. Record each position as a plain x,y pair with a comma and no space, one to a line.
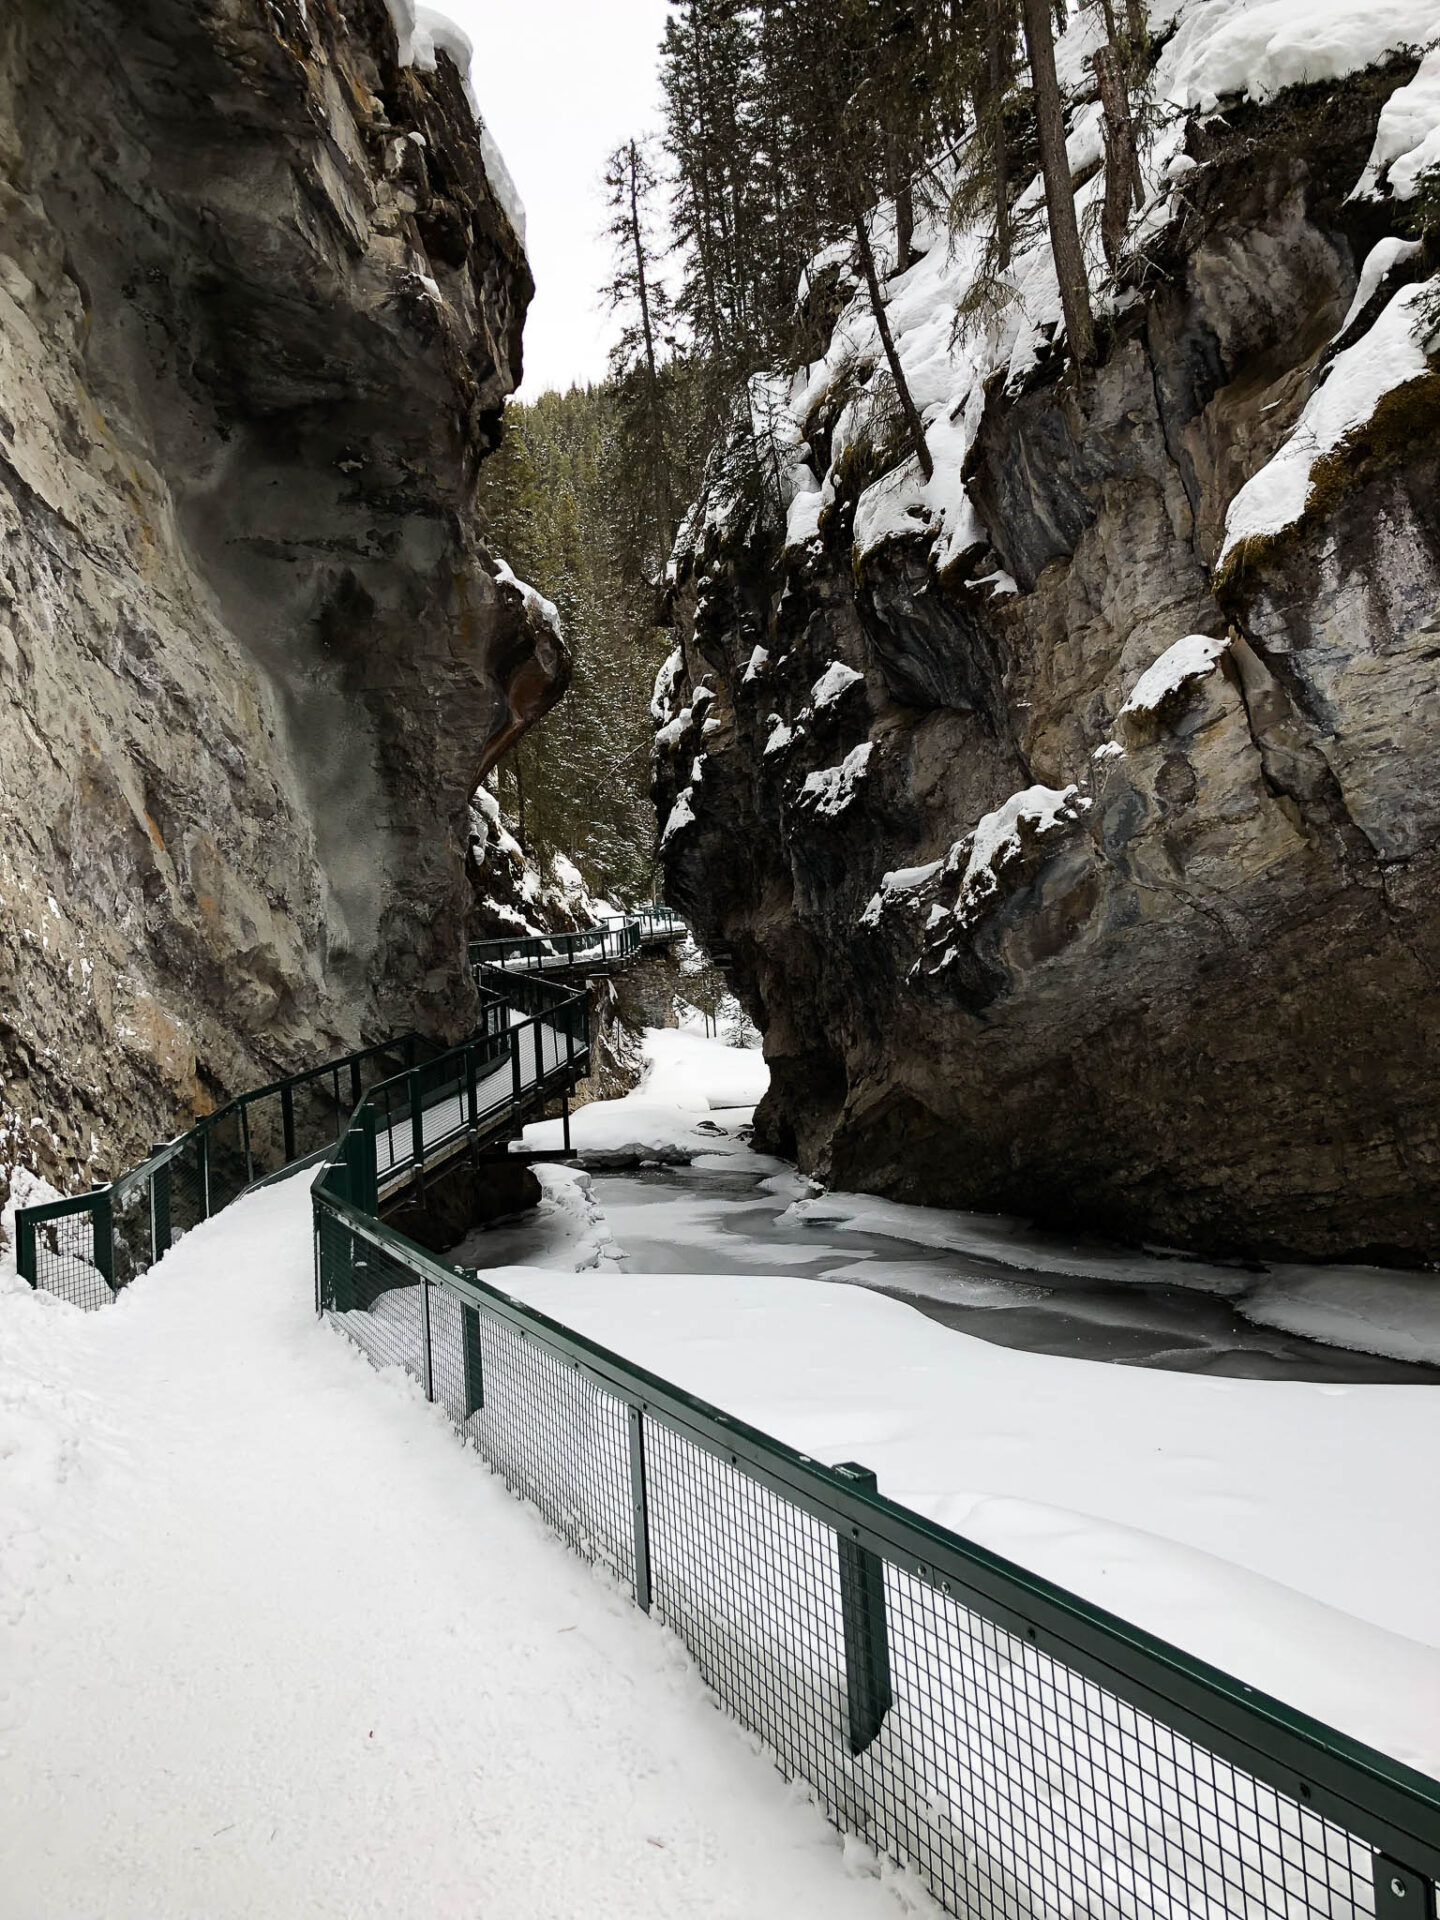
652,375
1059,198
1138,26
1122,164
877,307
997,64
902,192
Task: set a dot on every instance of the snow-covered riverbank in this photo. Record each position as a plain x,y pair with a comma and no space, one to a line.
1266,1525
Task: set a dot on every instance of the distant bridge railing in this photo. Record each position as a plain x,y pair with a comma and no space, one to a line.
612,943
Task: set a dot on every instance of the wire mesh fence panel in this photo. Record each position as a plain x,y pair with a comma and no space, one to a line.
68,1261
319,1108
1015,1787
752,1586
133,1229
1006,1775
263,1123
229,1169
559,1440
188,1176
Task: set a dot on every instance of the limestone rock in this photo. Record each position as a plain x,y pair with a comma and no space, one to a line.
1196,1003
259,311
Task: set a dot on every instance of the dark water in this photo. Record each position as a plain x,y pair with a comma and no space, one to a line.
686,1220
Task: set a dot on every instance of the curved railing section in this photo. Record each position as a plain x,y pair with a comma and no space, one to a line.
611,943
89,1245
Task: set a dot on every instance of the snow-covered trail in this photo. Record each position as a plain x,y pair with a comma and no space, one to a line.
274,1643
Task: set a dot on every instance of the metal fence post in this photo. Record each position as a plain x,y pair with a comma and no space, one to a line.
539,1054
868,1692
245,1136
25,1262
287,1121
102,1233
641,1509
417,1122
427,1364
472,1362
160,1210
514,1067
472,1105
202,1164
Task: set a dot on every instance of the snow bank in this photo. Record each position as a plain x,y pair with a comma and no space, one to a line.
1407,139
1189,659
831,790
1395,351
667,1117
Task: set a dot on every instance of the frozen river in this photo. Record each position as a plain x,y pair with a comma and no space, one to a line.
696,1220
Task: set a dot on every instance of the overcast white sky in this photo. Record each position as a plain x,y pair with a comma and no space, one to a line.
560,83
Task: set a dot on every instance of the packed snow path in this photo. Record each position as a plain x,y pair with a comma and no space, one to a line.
275,1643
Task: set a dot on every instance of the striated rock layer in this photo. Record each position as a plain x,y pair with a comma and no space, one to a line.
259,311
1020,933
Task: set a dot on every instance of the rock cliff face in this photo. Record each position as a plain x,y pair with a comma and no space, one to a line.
1085,865
260,307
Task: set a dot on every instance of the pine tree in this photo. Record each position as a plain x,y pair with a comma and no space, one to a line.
640,294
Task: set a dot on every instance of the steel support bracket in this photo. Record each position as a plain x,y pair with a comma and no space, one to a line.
1401,1893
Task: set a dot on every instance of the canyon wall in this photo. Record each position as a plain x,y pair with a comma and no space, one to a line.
260,307
1073,838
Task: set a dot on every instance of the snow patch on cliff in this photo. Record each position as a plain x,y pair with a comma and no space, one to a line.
1189,659
1255,48
832,789
1407,139
1396,350
999,838
421,34
835,680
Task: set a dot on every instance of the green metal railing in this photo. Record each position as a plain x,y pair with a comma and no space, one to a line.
613,942
87,1246
1023,1752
